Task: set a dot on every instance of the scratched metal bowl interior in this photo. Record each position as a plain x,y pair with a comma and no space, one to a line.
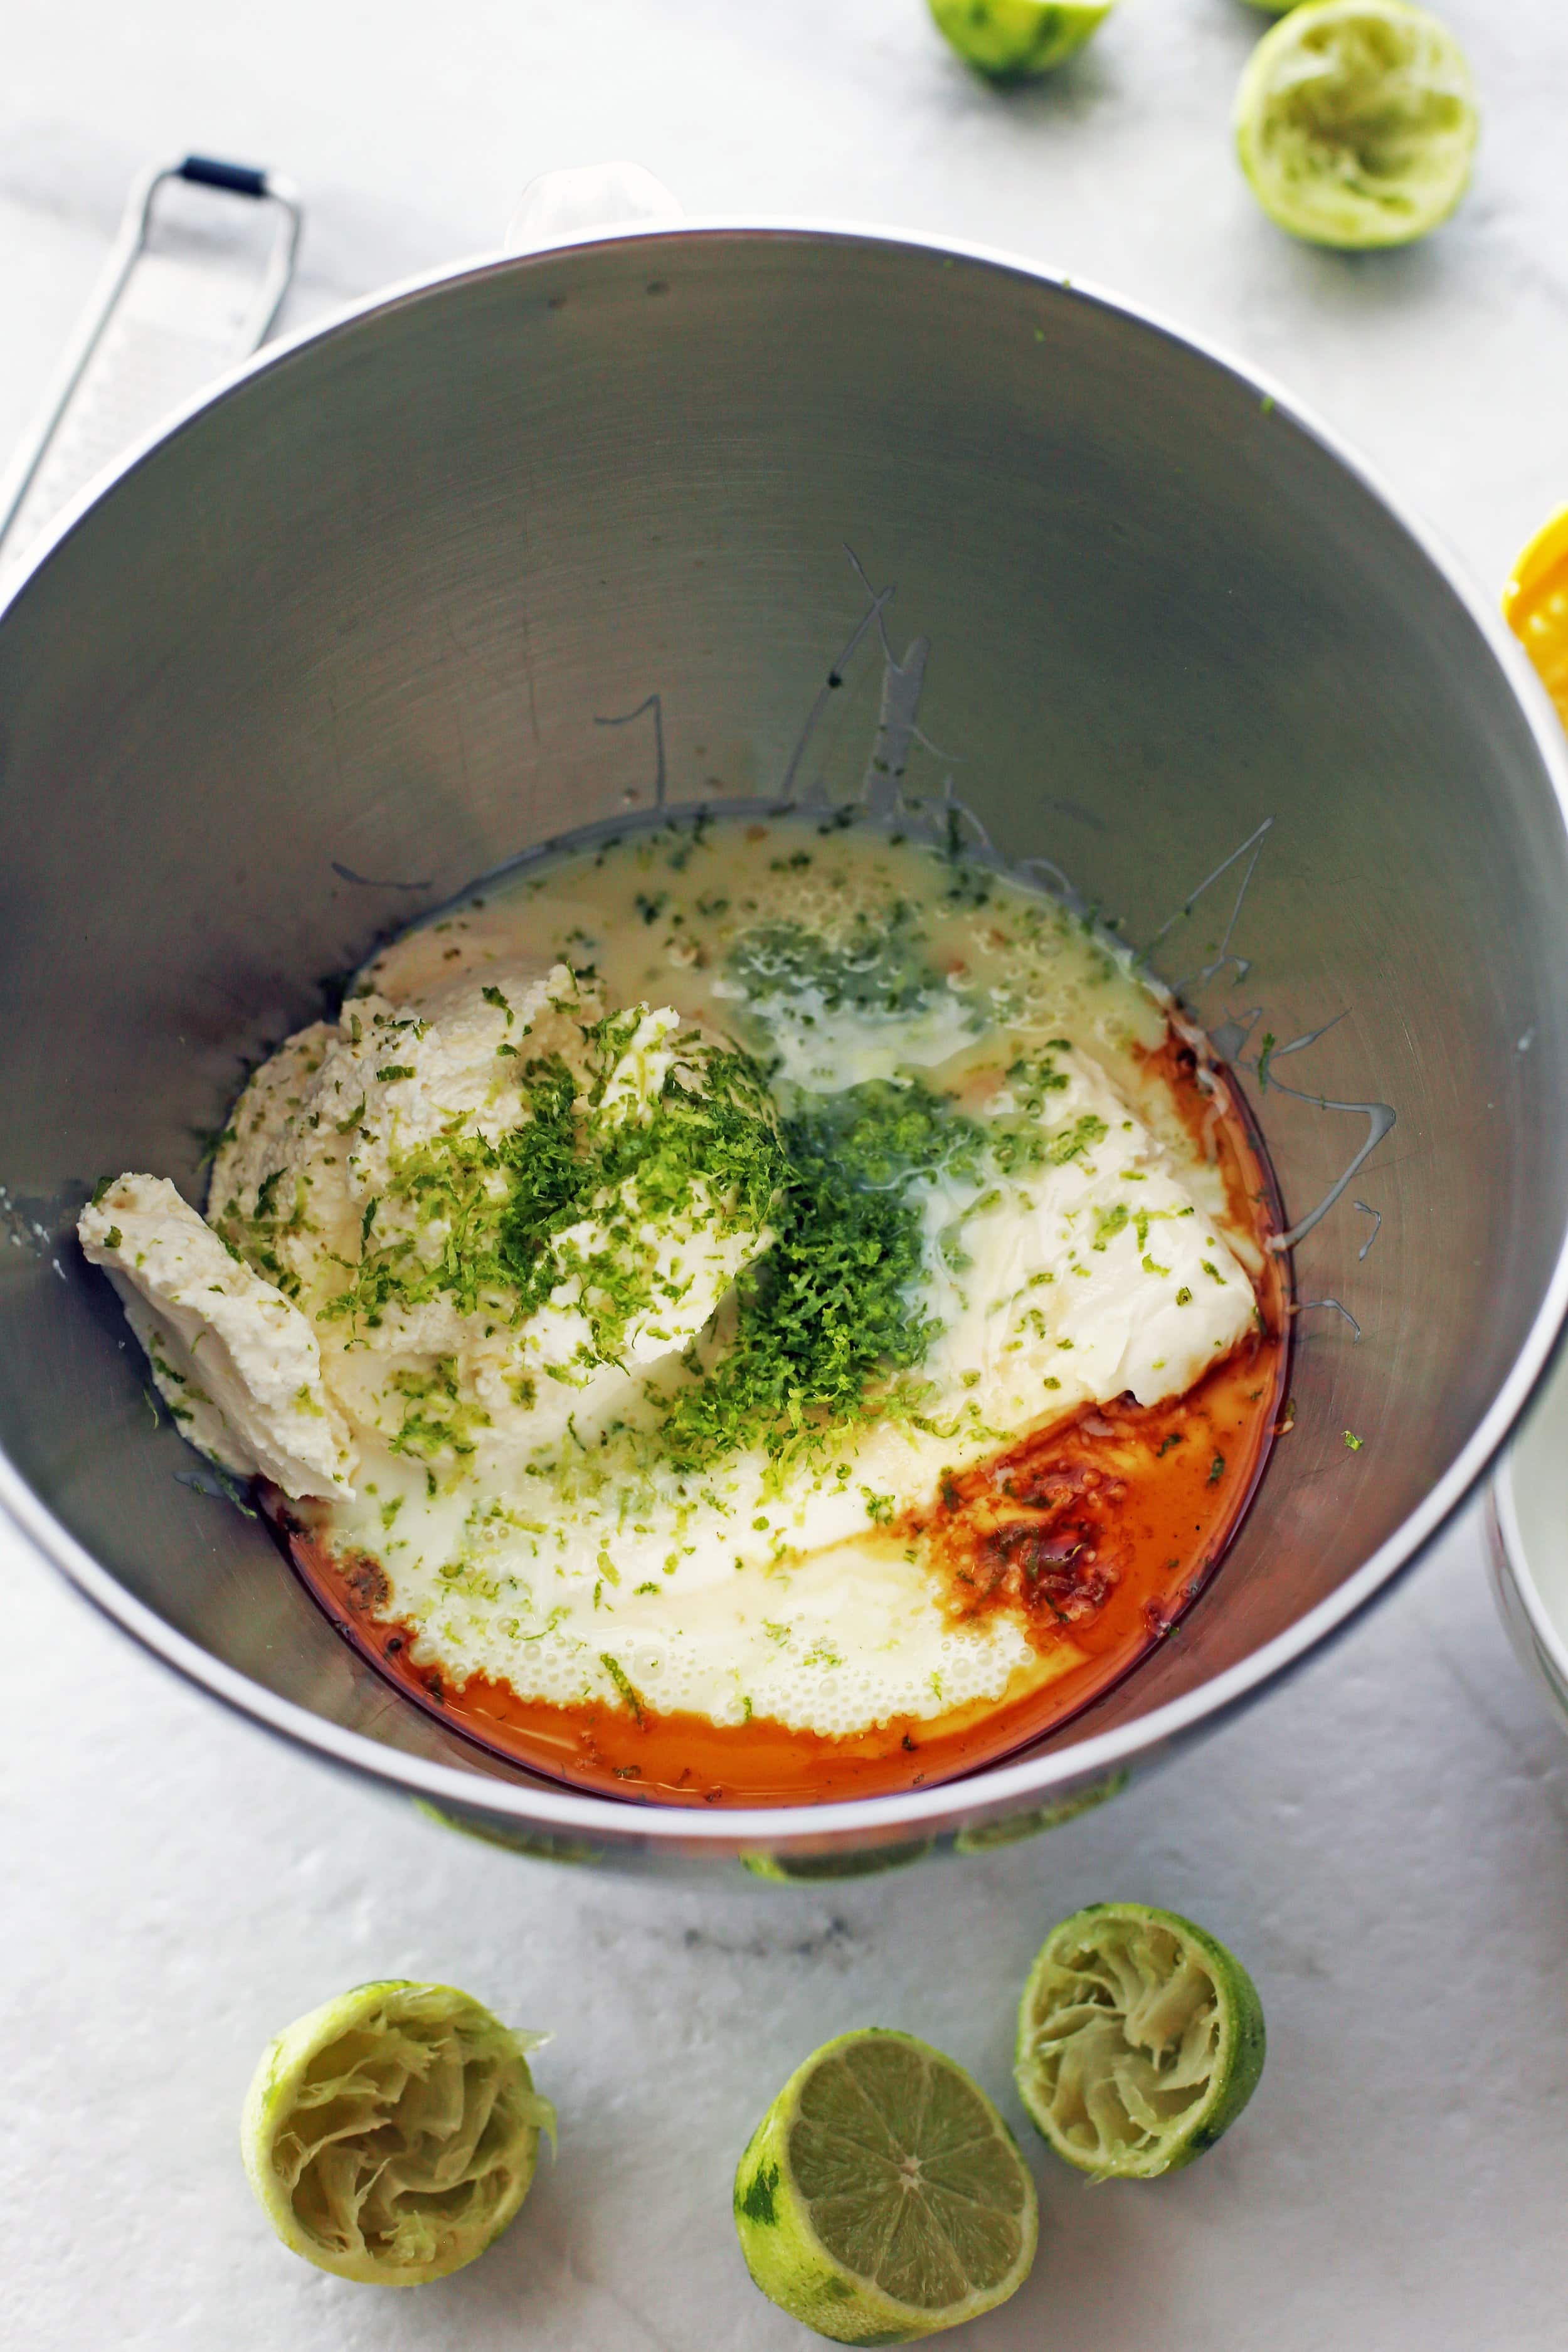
350,637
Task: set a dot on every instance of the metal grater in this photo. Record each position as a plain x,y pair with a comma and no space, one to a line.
188,292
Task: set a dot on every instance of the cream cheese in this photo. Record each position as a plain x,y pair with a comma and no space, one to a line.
237,1366
382,1141
493,1385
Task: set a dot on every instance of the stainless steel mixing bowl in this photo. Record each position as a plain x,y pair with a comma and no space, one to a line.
342,639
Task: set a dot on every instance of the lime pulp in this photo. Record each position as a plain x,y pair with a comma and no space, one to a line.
882,2197
1140,2040
392,2134
1356,123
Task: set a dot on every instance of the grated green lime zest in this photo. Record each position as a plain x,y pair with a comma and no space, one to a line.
830,1315
708,1149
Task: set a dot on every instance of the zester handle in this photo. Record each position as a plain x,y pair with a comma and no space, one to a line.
177,306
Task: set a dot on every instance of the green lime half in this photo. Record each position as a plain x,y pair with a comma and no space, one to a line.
882,2197
1017,40
392,2134
1356,123
1139,2041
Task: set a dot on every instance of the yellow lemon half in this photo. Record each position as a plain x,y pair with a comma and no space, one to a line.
1535,606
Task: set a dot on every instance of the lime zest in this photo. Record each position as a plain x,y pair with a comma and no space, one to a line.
507,1210
830,1313
625,1684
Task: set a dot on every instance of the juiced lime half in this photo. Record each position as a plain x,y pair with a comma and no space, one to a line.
1535,606
1139,2041
882,2197
392,2134
1356,123
1014,40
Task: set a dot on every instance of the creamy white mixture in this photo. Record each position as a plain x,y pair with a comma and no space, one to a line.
520,1397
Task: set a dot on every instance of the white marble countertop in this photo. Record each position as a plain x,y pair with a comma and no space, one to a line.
1385,1841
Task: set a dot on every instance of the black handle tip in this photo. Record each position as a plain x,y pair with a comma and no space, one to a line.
208,172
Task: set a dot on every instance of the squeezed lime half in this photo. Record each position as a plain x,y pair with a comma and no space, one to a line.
1139,2041
1017,40
882,2197
392,2134
1356,123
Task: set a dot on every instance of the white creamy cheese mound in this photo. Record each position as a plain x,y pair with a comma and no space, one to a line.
237,1366
1091,1274
1085,1271
483,1253
371,1170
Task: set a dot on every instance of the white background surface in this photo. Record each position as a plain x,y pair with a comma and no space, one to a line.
1385,1842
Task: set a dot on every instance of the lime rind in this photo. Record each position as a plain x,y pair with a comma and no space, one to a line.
882,2197
1356,123
1141,2039
392,2134
1018,40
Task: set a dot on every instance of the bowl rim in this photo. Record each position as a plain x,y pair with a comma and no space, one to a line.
1510,1552
993,1790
